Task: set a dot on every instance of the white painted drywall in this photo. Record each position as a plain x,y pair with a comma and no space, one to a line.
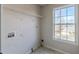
0,28
25,27
47,31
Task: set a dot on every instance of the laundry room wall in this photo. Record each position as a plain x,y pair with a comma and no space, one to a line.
0,28
20,28
47,31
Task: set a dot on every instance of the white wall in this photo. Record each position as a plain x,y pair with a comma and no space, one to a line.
0,28
47,31
23,20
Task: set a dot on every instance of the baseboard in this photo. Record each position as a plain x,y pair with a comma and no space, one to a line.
63,52
35,48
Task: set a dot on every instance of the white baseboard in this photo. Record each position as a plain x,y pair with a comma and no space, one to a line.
63,52
28,52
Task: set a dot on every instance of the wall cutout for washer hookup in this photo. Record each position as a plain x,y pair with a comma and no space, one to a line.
10,35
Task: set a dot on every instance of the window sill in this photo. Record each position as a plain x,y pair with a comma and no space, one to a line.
66,42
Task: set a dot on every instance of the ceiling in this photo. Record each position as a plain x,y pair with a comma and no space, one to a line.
42,5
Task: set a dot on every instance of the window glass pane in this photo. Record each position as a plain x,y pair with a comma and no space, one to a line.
57,12
70,11
63,12
70,19
71,32
63,20
65,23
57,31
63,32
57,20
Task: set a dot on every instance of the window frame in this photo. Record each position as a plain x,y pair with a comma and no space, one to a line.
76,25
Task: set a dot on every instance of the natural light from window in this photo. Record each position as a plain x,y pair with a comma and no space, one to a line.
64,23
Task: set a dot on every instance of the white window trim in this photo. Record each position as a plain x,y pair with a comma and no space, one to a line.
76,26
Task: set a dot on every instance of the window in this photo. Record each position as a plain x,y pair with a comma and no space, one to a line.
65,23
